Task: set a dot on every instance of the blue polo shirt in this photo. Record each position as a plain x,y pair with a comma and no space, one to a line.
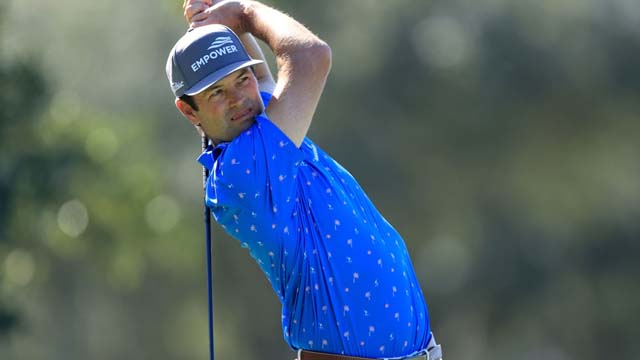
340,270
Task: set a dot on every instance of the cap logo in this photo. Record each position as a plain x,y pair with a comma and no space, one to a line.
221,46
219,41
175,86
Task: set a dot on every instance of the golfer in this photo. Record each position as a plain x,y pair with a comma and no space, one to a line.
341,271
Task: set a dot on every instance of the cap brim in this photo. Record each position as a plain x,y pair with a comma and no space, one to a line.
214,77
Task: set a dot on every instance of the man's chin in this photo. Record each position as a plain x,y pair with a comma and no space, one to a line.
248,123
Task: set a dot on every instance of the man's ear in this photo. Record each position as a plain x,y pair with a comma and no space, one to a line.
187,111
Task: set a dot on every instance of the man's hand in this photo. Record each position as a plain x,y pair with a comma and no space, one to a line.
193,7
205,12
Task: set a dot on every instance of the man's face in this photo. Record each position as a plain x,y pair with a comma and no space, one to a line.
228,107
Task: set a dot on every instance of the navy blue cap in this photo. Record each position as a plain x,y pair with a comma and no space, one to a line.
203,56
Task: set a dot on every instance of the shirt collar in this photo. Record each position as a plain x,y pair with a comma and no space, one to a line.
210,154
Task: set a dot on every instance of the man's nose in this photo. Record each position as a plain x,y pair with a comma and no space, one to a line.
234,97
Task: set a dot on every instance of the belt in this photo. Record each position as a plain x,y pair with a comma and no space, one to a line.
312,355
434,352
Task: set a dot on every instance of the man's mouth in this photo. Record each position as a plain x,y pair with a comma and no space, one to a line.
242,114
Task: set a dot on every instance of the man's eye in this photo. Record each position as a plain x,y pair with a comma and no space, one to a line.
215,93
244,79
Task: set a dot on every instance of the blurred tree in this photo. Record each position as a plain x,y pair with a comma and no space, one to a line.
23,94
79,219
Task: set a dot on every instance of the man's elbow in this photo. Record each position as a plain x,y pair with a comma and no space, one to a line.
315,59
322,54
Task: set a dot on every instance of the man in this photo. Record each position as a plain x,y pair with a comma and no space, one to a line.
340,270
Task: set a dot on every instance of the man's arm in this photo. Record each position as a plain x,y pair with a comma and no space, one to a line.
262,71
303,59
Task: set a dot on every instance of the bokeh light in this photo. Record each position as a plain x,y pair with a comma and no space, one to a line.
73,218
19,267
162,213
441,42
102,144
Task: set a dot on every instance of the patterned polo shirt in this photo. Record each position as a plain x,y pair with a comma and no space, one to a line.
340,270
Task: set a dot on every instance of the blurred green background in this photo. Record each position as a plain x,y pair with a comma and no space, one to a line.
500,137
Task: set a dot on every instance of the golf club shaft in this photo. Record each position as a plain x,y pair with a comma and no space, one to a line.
207,229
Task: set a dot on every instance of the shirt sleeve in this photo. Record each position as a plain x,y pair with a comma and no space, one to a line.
258,170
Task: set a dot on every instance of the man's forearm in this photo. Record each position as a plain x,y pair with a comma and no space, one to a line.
262,71
284,35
